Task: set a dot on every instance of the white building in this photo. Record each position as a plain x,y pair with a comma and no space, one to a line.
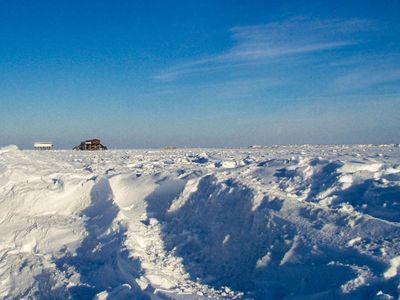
43,146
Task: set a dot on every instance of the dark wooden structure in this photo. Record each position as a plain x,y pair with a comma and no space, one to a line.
90,145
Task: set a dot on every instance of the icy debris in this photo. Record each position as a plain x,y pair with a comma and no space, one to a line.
124,291
264,261
201,158
228,164
354,241
382,296
394,268
226,239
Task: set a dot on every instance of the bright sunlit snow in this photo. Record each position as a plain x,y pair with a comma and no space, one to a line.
284,222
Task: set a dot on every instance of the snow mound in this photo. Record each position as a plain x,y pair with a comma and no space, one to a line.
283,247
8,148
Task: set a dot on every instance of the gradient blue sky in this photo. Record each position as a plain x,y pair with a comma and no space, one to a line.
199,73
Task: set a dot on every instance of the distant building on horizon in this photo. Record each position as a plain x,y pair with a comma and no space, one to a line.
90,145
255,147
170,147
43,146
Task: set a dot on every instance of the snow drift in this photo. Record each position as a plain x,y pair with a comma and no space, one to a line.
287,222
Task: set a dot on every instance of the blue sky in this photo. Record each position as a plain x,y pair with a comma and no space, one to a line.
199,73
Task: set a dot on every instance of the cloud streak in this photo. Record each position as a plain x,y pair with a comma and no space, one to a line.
229,89
268,42
365,78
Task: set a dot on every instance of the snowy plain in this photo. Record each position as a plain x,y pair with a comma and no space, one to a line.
279,222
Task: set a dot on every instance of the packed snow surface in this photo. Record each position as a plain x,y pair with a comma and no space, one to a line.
284,222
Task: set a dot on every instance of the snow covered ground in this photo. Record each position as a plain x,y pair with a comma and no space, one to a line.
285,222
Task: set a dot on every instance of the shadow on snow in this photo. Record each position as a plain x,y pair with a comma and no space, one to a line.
102,262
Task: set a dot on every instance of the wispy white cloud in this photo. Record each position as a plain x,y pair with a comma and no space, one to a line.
229,89
366,77
267,42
